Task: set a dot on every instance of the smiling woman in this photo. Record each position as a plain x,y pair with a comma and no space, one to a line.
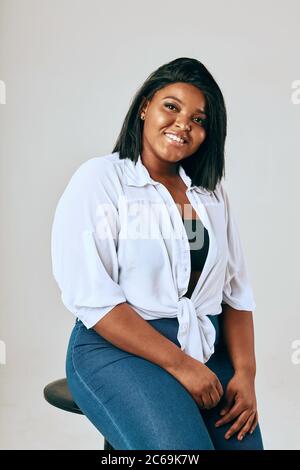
180,98
178,125
149,362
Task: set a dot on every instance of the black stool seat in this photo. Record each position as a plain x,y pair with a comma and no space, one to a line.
58,394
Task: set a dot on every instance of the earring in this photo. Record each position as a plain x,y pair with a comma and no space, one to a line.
143,117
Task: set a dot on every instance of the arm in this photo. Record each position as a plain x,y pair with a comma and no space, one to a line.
238,299
240,397
238,334
238,304
127,330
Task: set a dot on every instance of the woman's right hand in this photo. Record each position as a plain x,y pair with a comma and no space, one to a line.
200,381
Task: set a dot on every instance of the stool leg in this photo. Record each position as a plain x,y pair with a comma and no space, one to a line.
107,445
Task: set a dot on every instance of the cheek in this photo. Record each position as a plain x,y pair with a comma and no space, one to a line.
162,120
199,139
156,122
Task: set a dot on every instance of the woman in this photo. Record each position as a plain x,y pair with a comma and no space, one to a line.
148,257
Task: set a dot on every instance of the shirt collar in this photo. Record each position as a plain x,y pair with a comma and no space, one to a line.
138,175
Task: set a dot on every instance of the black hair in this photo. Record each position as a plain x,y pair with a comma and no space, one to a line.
206,166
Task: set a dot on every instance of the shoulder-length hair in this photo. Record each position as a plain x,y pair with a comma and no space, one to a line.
206,167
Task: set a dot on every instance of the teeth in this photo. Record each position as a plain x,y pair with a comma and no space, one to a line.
174,137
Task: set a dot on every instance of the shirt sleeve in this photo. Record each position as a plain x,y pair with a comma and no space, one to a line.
84,243
237,291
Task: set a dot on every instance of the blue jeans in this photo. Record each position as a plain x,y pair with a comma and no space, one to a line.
137,404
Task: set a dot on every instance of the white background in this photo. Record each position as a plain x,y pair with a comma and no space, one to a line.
71,68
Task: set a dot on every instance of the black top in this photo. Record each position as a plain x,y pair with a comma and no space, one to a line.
199,242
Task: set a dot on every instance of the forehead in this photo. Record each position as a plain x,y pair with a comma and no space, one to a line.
183,91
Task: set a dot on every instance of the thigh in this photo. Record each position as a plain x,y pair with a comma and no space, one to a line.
133,402
221,365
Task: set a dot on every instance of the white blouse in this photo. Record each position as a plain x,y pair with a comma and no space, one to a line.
118,236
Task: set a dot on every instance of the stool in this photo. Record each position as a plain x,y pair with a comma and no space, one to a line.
58,394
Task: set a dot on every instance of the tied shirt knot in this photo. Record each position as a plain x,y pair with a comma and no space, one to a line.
195,329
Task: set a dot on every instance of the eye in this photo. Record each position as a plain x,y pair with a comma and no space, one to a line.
201,120
169,104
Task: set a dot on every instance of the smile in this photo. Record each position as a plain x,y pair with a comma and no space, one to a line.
174,140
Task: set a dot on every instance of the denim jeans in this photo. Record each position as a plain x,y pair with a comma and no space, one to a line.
137,404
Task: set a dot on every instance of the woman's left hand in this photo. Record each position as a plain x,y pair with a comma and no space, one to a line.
240,403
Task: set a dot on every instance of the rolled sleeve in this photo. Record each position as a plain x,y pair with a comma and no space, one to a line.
237,291
84,243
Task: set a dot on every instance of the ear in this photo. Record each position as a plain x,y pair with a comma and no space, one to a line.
145,104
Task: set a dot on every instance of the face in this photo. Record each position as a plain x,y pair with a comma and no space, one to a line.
182,115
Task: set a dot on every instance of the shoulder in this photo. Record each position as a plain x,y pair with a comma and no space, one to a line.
99,169
96,179
98,174
220,192
221,195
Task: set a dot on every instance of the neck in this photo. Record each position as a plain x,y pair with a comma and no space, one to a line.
161,170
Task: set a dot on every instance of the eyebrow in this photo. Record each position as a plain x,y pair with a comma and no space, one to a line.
199,110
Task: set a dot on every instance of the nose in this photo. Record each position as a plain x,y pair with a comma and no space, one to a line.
184,126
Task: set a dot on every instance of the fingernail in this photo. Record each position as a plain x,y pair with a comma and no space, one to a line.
251,431
241,437
217,425
227,436
222,412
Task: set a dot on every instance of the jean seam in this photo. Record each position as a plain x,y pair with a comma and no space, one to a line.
93,394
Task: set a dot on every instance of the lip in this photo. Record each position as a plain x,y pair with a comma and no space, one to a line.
178,144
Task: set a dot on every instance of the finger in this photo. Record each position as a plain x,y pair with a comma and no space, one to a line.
219,388
235,411
207,400
229,401
201,401
238,424
246,427
254,424
215,397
